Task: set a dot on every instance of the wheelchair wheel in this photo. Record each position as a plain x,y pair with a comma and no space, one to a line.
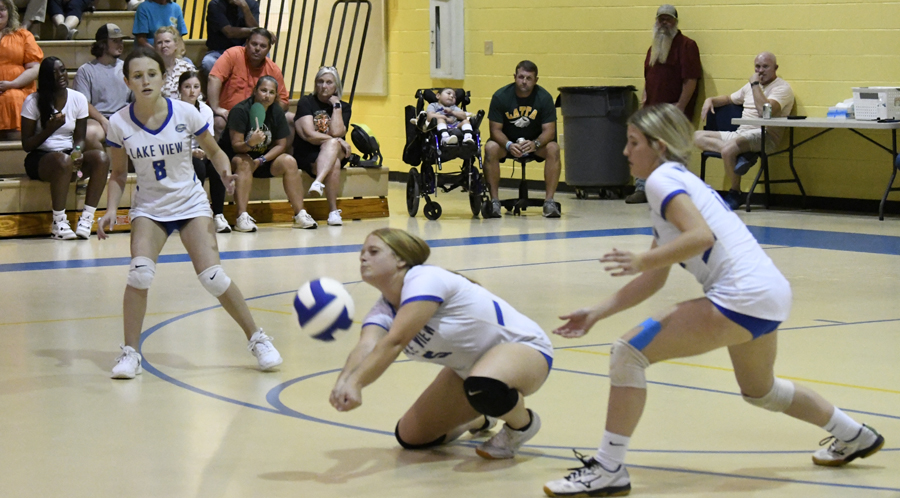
413,192
433,210
475,201
475,189
486,209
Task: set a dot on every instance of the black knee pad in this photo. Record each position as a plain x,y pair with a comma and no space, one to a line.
490,396
437,442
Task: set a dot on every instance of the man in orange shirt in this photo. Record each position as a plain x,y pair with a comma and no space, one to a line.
236,72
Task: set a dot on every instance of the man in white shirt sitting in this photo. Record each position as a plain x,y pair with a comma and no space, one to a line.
763,87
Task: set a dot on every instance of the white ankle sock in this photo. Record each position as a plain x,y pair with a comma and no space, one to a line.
842,426
59,215
612,450
442,127
89,212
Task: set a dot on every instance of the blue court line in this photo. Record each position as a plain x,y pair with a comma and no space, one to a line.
273,397
733,476
790,237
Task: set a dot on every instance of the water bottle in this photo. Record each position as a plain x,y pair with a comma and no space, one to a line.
76,155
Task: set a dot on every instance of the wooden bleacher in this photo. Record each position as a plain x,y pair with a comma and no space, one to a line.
25,208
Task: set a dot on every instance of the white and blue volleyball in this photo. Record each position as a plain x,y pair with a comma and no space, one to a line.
323,307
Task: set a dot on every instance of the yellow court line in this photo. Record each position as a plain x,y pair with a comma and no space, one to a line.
801,379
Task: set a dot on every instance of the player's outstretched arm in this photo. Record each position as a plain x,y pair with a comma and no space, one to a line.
115,188
695,238
218,158
638,290
368,338
410,320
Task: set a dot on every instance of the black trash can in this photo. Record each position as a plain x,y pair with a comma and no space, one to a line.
594,126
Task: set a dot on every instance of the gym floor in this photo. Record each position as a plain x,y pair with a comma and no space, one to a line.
203,422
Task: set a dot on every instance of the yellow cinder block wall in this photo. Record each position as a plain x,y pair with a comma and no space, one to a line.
823,49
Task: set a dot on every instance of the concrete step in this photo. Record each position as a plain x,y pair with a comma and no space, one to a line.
77,52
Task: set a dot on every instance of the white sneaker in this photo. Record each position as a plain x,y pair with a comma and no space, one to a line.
83,229
448,139
317,188
484,430
304,220
60,229
222,225
128,364
507,442
840,453
266,354
334,218
245,223
591,480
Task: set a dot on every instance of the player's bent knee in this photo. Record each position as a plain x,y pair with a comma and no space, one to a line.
778,399
141,272
214,280
490,396
627,366
409,446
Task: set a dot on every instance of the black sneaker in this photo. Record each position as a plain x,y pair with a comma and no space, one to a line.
734,199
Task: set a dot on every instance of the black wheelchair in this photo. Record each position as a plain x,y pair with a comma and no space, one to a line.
425,151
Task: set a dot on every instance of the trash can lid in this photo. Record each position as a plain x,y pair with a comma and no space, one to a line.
595,89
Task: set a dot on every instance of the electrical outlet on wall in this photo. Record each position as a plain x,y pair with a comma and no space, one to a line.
488,47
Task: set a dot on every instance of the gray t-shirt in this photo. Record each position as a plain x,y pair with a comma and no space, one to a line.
437,108
103,86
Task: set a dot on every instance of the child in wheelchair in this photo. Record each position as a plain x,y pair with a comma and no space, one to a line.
449,117
438,130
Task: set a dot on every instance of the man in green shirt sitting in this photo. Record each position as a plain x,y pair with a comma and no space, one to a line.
523,121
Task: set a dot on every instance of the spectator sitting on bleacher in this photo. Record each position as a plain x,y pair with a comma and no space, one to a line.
54,120
228,24
189,91
20,57
66,15
170,47
34,16
152,15
258,150
319,147
102,82
235,74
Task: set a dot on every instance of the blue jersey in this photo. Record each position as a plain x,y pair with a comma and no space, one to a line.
468,323
735,272
167,187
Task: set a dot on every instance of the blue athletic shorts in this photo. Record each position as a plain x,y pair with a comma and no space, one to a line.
758,327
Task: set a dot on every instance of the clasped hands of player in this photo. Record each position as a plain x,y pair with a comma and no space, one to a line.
580,321
346,396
